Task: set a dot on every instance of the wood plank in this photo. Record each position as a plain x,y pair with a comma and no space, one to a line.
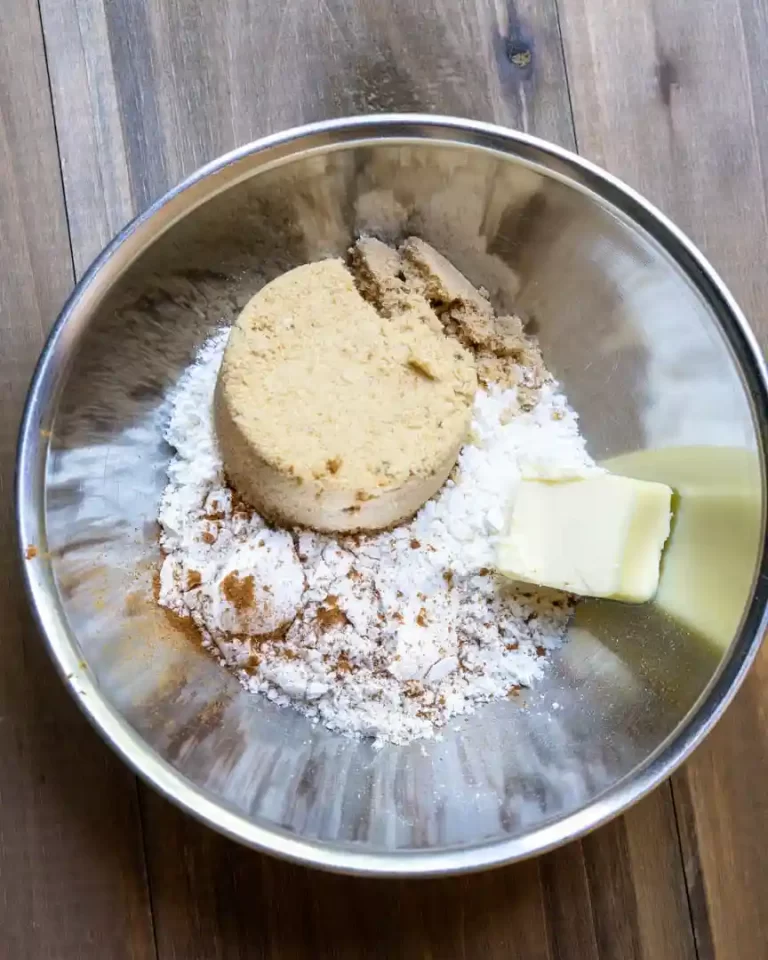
71,860
615,895
247,905
145,92
184,81
686,123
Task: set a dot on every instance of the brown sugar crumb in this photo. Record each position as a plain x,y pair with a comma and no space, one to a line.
354,574
483,572
209,537
448,577
398,616
541,651
514,690
239,591
194,579
31,552
421,618
512,646
329,615
333,465
415,544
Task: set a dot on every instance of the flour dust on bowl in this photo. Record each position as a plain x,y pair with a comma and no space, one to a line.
644,340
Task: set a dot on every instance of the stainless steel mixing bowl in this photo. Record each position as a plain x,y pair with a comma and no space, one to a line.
648,344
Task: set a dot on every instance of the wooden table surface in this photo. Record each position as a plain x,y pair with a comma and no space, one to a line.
104,104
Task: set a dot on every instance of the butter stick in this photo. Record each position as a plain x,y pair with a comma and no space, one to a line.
601,536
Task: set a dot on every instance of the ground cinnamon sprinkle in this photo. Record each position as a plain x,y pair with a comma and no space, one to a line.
353,600
184,625
240,592
329,615
342,664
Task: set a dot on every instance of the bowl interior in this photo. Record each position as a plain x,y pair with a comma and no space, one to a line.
630,333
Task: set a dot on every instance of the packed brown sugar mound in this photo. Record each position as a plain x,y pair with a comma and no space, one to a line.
334,416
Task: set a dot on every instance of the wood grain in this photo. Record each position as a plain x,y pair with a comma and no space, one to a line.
216,900
687,124
179,96
71,861
146,90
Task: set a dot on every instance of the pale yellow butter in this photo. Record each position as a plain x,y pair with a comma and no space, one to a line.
600,536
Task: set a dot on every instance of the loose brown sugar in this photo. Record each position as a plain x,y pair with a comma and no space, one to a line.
416,279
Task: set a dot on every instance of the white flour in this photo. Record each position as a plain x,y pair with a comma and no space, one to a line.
386,636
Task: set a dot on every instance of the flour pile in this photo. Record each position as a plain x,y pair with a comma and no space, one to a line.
387,635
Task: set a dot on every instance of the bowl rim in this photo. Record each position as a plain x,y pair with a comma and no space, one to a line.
142,758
